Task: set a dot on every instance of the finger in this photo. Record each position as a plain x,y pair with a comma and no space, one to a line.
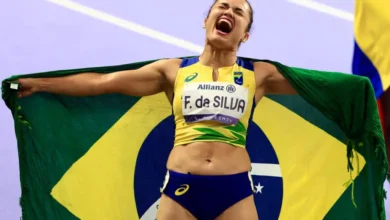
23,94
28,93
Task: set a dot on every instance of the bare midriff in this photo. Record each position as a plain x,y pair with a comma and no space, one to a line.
209,158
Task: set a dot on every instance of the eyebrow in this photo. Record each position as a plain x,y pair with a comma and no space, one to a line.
235,9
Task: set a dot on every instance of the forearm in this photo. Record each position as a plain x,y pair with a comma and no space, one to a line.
147,80
84,84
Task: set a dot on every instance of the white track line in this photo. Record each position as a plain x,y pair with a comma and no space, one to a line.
323,8
137,28
128,25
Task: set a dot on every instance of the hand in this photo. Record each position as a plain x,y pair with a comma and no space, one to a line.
27,87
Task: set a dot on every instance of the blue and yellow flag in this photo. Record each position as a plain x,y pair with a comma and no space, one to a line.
103,157
372,53
372,43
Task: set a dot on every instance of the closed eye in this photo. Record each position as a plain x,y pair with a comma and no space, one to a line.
236,10
224,5
239,11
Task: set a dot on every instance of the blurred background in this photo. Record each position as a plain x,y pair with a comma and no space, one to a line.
44,35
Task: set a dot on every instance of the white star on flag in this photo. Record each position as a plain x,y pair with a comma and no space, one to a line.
258,188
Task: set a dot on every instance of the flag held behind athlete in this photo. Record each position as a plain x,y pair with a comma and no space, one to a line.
103,157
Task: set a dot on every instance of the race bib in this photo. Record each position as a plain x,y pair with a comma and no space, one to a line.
217,101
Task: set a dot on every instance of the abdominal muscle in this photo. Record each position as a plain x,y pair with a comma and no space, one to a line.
209,158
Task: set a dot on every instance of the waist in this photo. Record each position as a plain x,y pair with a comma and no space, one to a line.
209,158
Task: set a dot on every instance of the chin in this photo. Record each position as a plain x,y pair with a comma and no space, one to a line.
221,42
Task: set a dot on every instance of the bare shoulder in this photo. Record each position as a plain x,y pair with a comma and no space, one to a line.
168,63
264,68
174,63
170,68
167,66
271,80
162,65
263,71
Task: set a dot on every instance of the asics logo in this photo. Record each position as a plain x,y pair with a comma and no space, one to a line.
182,189
191,77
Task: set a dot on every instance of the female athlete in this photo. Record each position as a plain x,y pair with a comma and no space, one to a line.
212,97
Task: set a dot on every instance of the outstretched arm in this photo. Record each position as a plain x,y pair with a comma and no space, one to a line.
274,81
144,81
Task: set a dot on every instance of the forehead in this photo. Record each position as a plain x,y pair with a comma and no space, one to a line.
241,4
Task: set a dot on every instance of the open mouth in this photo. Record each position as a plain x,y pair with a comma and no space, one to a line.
224,25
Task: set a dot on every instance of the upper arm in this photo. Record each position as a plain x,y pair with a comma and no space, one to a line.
147,80
273,81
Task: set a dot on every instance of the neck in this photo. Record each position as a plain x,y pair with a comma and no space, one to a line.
217,58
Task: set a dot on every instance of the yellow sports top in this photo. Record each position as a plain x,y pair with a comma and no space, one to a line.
207,110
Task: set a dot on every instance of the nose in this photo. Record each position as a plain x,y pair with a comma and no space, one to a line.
228,12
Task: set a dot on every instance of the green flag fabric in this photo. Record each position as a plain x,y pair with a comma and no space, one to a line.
316,155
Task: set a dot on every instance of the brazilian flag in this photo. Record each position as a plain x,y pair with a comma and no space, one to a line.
103,157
